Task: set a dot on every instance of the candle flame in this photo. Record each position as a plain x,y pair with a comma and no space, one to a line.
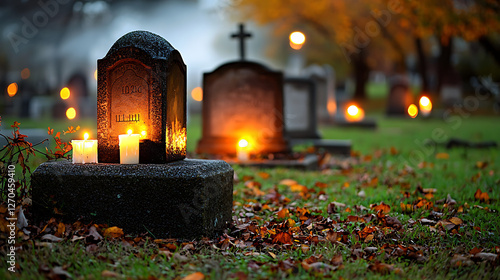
297,40
143,133
354,113
413,110
243,143
129,132
85,136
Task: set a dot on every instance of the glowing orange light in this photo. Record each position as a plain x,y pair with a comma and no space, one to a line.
331,106
354,113
178,143
129,131
25,73
143,133
425,105
95,74
71,113
85,136
413,110
12,89
197,94
297,40
64,93
243,143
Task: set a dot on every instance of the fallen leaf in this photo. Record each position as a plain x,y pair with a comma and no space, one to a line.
486,256
456,221
283,213
481,196
195,276
264,175
442,156
113,232
109,274
288,182
51,237
381,207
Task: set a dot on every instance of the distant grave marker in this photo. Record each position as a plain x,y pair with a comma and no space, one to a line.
400,96
242,100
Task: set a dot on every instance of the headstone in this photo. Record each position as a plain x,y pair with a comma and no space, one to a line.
142,86
242,100
451,90
324,80
300,108
400,96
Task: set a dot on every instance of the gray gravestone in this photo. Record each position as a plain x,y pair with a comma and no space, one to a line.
324,80
300,108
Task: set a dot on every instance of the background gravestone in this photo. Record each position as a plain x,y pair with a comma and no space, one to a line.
400,96
142,86
300,108
323,77
241,100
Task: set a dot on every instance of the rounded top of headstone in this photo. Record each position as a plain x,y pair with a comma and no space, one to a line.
154,45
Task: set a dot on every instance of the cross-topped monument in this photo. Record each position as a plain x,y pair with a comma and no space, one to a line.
241,35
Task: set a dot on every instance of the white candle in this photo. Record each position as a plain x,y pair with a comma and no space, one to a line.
84,151
129,148
242,153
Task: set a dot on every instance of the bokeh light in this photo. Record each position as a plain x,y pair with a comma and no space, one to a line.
65,93
413,110
25,73
297,40
12,89
71,113
197,94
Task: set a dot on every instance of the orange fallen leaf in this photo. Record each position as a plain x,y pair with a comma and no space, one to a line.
481,164
109,274
288,182
195,276
283,213
456,221
283,238
113,232
482,196
264,175
321,185
382,207
61,228
394,151
442,156
298,188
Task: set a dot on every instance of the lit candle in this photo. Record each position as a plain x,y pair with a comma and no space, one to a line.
129,147
425,105
242,150
84,151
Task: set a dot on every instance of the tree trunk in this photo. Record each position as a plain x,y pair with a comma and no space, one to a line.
422,65
361,74
444,61
490,48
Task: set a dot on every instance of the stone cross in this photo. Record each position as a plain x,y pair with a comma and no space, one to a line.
241,35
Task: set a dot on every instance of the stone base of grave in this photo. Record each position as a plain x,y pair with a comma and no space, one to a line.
332,146
183,199
309,162
366,123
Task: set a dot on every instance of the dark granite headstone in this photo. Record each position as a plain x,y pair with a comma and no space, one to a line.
142,86
300,108
400,96
242,100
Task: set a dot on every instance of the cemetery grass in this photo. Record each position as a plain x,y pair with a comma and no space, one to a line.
401,210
